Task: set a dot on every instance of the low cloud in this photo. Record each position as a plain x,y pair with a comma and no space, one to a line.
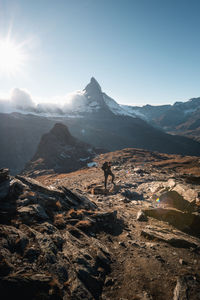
21,100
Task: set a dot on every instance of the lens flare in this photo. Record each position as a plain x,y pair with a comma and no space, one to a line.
12,57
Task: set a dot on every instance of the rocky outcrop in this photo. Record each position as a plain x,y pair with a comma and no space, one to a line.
48,248
175,238
58,151
187,222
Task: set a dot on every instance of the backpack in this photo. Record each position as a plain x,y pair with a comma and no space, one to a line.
104,166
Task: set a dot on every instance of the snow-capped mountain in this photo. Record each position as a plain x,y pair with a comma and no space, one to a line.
93,101
179,118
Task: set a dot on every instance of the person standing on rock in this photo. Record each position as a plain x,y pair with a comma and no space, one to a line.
107,171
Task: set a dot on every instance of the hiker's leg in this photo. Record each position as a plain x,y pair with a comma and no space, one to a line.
105,182
113,177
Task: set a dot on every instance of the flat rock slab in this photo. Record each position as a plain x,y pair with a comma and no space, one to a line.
185,221
175,238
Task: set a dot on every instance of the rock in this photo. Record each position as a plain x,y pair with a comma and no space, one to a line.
144,296
158,257
5,267
109,281
122,244
29,286
95,189
34,211
141,216
132,195
4,175
138,171
175,238
182,262
192,179
176,200
187,288
16,240
32,254
185,221
186,192
93,284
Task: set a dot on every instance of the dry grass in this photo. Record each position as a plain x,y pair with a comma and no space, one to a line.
27,194
59,221
77,214
58,204
84,224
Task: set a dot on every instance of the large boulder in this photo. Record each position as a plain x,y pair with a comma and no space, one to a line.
176,200
185,221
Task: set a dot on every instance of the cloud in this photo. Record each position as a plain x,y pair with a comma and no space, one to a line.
21,100
74,101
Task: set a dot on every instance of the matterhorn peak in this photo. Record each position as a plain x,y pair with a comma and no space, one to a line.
93,86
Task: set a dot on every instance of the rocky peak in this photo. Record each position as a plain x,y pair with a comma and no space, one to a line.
61,132
93,87
58,151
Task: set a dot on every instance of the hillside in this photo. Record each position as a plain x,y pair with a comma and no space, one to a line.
69,239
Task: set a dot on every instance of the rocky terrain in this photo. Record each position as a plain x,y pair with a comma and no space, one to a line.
65,237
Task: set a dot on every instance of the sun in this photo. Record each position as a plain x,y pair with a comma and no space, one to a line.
12,57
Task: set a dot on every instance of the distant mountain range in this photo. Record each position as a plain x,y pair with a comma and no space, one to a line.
96,119
180,118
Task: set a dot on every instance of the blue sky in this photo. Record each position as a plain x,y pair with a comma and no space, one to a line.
140,51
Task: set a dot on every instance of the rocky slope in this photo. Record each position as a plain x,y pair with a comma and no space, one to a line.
48,245
68,237
58,151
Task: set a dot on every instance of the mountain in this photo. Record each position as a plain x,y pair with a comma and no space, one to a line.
94,118
92,101
58,151
179,118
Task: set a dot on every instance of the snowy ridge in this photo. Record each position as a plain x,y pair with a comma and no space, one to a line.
133,112
115,107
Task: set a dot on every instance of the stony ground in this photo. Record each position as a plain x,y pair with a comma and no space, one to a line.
144,265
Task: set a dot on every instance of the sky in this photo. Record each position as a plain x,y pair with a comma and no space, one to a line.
140,51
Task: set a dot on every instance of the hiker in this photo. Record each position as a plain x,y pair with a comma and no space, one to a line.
107,171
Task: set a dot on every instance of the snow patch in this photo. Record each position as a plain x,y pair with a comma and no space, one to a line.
115,107
92,164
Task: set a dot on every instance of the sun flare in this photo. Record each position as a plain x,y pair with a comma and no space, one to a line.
12,57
